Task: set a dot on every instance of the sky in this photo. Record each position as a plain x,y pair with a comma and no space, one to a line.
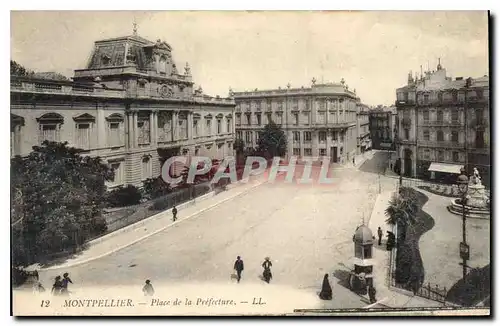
373,50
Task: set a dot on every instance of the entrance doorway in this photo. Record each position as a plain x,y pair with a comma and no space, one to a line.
333,154
408,164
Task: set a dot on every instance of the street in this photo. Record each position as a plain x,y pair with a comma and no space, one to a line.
305,229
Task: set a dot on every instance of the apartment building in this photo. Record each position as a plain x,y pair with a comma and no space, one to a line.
443,125
319,121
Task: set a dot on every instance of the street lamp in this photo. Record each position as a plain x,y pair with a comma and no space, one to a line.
463,185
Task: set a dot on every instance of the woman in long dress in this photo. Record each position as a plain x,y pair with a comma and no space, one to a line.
326,289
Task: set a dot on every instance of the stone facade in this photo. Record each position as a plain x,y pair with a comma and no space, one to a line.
363,128
443,120
129,106
382,127
318,121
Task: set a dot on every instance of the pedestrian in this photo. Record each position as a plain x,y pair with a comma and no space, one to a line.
148,289
57,286
380,234
371,293
353,161
64,284
238,267
267,269
326,289
174,213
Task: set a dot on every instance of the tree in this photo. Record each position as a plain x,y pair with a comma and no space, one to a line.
18,70
63,194
239,146
402,210
272,142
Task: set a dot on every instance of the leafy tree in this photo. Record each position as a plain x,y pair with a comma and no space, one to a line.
402,210
18,70
60,197
155,187
239,146
272,141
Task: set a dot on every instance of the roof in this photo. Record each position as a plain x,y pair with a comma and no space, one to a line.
363,235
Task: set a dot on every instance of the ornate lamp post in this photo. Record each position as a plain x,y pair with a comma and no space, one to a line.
463,185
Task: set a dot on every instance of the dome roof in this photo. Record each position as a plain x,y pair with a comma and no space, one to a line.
363,234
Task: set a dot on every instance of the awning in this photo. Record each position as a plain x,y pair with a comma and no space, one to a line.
445,167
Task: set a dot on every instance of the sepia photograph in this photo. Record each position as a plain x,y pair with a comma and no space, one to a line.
250,163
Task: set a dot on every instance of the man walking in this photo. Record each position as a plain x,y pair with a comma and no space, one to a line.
174,213
379,232
238,267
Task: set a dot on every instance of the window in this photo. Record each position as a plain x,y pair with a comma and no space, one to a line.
479,115
440,116
426,115
83,135
118,169
115,137
279,118
479,94
307,152
296,151
238,134
269,117
427,154
229,128
454,116
259,119
147,170
440,155
426,98
341,136
334,135
427,135
406,133
322,136
455,96
454,136
307,136
248,137
455,157
480,139
322,152
440,97
249,120
295,118
209,127
195,128
49,126
367,252
296,136
238,119
440,135
219,126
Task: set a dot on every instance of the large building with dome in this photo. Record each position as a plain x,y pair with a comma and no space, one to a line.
131,105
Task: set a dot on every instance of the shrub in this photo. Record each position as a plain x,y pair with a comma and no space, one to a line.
124,196
155,187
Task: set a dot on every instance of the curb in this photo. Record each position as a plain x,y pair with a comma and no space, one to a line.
151,234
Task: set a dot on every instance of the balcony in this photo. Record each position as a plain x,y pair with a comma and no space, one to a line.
445,144
442,123
62,88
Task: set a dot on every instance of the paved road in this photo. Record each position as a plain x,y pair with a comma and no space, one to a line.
306,230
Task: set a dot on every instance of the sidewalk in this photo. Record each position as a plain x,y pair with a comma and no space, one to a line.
394,298
141,230
361,158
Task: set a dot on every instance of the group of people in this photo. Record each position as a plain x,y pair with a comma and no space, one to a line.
60,286
267,264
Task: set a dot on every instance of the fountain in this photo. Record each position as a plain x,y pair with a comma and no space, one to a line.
476,201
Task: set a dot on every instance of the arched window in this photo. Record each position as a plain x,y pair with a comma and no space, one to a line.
49,127
440,135
163,65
